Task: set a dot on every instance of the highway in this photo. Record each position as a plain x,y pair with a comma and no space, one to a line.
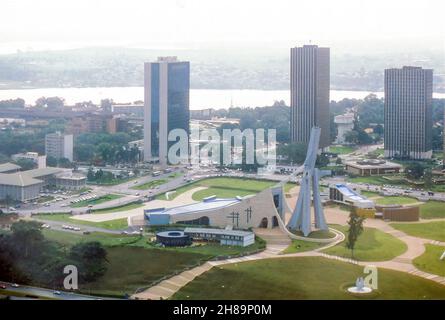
42,293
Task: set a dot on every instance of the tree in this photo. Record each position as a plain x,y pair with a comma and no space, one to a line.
51,161
65,163
25,235
90,175
91,258
414,170
428,178
355,229
351,136
25,164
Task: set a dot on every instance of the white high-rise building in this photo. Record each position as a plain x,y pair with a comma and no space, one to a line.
59,145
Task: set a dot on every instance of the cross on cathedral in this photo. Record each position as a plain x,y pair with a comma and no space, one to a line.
248,214
235,217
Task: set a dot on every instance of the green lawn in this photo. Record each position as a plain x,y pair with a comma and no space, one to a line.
429,261
223,187
117,224
124,207
369,194
150,184
302,278
98,200
318,234
301,246
107,239
372,245
288,186
395,200
341,149
432,209
430,230
130,268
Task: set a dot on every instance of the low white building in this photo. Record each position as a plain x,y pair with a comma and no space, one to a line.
224,236
345,124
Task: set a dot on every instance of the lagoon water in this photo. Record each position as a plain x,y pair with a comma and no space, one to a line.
199,98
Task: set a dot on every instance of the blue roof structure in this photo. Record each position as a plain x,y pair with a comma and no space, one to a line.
162,215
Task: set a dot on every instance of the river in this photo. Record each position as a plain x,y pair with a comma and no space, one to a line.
199,98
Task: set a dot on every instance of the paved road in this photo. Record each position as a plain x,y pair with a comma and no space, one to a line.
46,293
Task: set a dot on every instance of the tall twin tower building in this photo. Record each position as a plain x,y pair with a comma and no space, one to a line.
309,87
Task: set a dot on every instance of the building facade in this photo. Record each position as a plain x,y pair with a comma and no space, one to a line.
345,124
166,104
59,145
408,113
309,87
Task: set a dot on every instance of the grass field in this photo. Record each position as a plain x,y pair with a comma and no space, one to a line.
372,245
222,187
130,268
318,234
301,246
149,185
395,200
302,278
98,200
434,230
124,207
117,224
369,194
432,209
107,239
341,149
429,260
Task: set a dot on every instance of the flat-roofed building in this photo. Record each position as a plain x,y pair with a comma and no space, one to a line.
26,185
227,237
59,145
309,86
372,167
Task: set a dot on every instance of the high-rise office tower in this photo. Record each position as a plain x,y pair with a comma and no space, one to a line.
408,112
166,104
309,86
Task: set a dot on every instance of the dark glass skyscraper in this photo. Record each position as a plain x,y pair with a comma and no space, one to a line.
408,112
166,104
309,86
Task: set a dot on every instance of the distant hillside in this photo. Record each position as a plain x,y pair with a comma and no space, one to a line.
211,69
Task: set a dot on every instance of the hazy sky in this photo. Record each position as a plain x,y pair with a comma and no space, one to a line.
53,24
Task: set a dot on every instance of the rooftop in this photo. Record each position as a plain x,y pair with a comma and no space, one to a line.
19,179
373,164
240,233
5,167
208,204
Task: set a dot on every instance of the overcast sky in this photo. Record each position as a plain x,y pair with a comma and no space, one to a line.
53,24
